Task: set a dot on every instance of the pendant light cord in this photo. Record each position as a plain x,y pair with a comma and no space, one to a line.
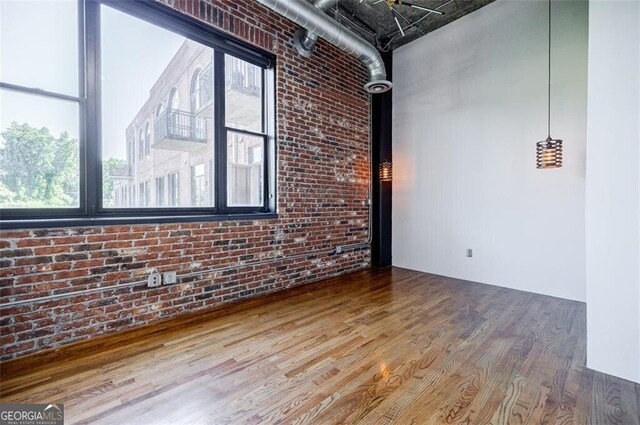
549,79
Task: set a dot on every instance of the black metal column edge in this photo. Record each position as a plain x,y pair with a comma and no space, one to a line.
381,131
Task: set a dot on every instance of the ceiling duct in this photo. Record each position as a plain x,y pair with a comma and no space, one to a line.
303,40
316,23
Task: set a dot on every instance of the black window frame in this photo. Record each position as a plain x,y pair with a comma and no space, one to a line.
91,211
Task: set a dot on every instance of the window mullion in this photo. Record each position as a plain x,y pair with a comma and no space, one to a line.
92,155
220,131
242,131
82,98
266,159
268,105
41,92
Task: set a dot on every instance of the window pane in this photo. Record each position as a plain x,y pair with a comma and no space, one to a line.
245,169
157,115
243,88
160,192
198,187
39,152
174,189
39,44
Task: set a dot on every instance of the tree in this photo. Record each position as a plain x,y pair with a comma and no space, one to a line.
37,169
111,169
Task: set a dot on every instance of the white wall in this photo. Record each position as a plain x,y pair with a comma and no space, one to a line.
613,189
469,106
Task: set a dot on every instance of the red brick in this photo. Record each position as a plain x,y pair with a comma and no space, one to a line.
323,137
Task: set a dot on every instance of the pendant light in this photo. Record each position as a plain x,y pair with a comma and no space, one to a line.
549,151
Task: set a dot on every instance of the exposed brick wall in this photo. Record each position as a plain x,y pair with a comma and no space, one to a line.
323,132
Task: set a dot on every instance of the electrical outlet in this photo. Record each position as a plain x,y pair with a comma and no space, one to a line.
469,252
169,277
154,280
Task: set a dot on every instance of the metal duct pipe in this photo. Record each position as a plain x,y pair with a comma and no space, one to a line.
316,22
324,4
305,41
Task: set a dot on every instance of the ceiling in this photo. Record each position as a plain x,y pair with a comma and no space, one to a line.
374,21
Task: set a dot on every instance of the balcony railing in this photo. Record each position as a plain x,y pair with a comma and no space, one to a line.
180,131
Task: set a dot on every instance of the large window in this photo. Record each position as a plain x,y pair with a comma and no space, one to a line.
40,130
135,95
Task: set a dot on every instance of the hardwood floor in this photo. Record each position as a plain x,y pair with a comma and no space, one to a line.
373,347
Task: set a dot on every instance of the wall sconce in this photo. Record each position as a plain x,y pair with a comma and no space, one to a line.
386,171
549,153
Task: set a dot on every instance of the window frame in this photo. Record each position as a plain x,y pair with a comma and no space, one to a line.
91,211
7,214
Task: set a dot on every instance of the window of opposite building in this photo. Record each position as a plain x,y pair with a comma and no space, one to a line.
160,192
174,189
135,96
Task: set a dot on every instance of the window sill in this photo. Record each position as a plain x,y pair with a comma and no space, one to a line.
108,221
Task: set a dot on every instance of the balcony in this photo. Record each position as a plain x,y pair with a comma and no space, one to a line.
182,131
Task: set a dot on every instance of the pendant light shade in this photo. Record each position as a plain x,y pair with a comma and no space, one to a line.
386,171
549,151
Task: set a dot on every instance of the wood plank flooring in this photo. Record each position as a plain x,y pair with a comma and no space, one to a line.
373,347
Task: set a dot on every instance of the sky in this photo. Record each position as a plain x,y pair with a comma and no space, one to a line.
39,48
